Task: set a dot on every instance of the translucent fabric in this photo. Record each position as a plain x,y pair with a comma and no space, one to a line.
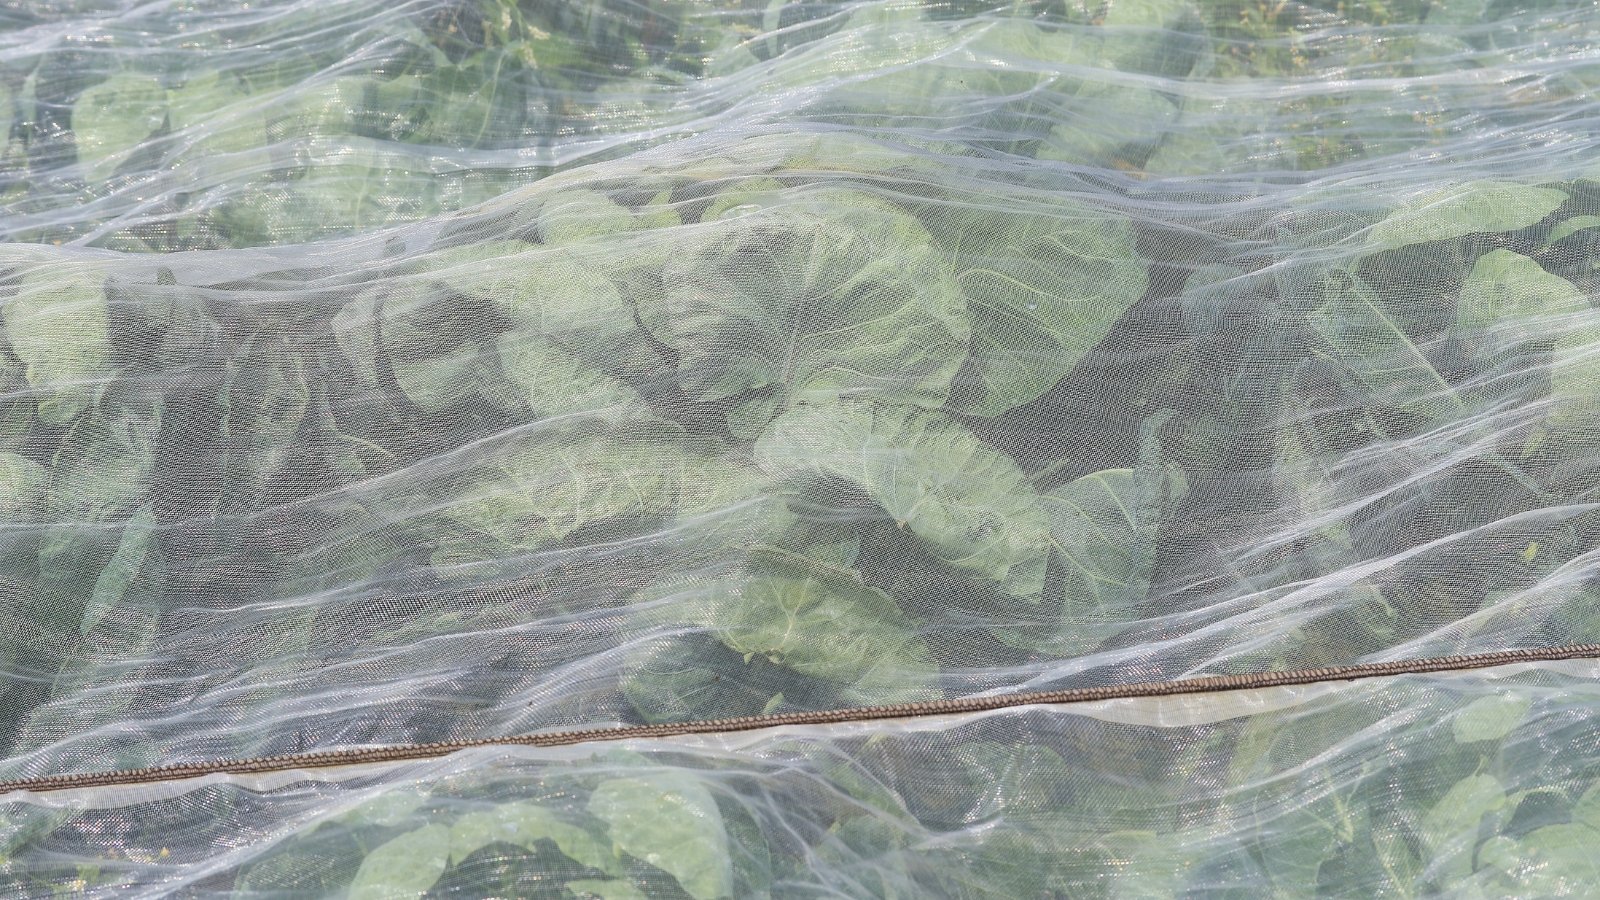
388,374
1458,785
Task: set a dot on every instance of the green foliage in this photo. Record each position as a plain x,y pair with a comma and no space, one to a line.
825,295
404,867
55,318
1043,288
1477,207
362,384
967,503
670,821
112,119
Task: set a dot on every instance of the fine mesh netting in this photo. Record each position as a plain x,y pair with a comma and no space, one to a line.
384,374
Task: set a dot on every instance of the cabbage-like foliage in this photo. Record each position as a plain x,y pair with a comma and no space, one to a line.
812,297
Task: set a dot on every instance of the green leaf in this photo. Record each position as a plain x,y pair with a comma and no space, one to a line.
1515,296
540,377
548,292
385,810
575,216
56,324
1574,376
1489,718
541,489
99,474
23,487
1356,330
828,628
113,118
406,866
138,535
344,184
1472,208
1450,828
436,383
216,114
525,824
355,330
1159,37
1557,861
1143,117
1568,227
1043,288
1587,810
968,504
828,294
744,197
670,821
1103,531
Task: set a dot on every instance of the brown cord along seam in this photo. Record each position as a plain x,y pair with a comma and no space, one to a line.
407,752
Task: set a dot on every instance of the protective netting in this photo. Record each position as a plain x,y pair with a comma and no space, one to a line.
1463,786
378,374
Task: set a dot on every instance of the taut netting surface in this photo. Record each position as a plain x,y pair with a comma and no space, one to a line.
378,375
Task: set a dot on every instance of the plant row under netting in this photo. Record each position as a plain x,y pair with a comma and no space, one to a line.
173,127
458,371
1463,785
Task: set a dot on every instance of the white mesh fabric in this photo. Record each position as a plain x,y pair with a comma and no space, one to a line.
378,375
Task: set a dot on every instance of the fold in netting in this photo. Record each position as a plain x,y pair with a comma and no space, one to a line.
1187,686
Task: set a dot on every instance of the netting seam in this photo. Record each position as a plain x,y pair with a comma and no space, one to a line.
413,752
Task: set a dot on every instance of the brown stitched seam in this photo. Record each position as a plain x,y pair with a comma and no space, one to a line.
408,752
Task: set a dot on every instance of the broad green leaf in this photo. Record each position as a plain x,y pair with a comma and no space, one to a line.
355,329
1089,137
138,535
349,105
1489,718
345,184
525,824
678,676
1103,532
670,821
1043,288
24,485
828,628
970,505
541,377
1574,376
1568,227
1557,861
437,382
881,68
1356,330
216,114
745,196
829,294
1449,829
56,324
406,866
386,810
575,216
549,292
100,473
1515,296
1159,37
1587,810
467,106
113,118
542,489
264,401
1475,207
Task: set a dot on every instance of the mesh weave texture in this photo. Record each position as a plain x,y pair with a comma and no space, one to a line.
377,374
